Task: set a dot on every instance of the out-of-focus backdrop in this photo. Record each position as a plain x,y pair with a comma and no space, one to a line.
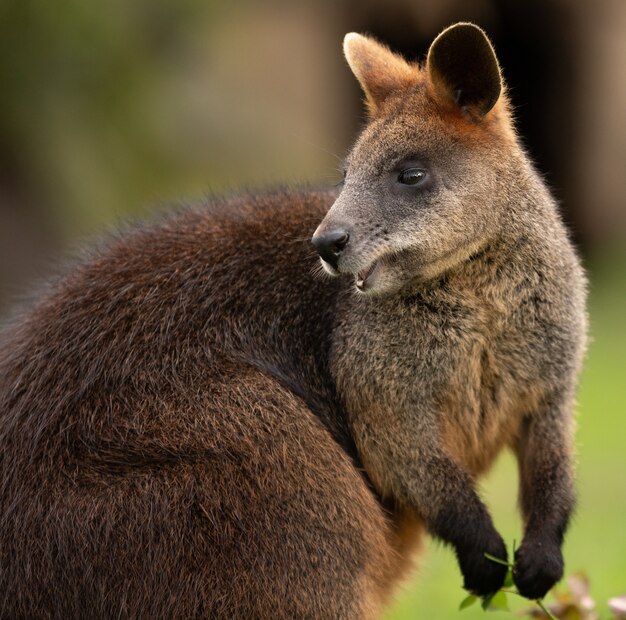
110,109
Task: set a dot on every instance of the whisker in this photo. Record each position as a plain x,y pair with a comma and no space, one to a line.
318,272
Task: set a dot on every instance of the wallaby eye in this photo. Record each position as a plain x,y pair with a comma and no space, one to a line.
412,176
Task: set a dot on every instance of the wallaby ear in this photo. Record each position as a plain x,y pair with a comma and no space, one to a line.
379,71
463,70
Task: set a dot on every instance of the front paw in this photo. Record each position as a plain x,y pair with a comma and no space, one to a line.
481,575
538,566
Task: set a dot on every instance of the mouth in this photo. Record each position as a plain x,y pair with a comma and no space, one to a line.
365,275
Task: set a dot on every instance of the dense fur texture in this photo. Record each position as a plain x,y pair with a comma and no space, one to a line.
192,425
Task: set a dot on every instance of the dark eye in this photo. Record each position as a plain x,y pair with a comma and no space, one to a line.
412,176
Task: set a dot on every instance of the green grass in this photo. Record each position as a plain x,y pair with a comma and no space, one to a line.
596,542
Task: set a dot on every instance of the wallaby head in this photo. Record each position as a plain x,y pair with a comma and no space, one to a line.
425,183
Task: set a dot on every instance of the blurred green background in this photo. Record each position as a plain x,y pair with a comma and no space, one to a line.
111,109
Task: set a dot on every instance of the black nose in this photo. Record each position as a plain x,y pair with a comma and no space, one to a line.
329,245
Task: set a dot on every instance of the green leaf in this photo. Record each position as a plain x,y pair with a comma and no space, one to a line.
468,601
487,601
499,601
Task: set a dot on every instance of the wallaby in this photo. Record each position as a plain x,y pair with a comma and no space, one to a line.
193,424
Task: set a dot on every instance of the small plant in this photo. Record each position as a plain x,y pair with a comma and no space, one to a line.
571,603
498,600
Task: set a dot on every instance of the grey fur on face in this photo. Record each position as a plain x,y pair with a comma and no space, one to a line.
412,234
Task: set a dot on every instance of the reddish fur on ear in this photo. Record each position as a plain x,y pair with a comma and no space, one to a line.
379,71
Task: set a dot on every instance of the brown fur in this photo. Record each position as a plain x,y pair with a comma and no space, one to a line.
193,425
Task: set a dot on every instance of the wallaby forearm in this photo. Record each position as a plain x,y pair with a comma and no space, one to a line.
546,497
546,476
440,492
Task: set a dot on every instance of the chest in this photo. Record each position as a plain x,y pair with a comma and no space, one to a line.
456,357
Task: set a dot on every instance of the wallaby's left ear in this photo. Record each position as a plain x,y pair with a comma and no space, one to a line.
463,70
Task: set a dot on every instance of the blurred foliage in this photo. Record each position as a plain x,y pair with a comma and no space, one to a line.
83,97
108,107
